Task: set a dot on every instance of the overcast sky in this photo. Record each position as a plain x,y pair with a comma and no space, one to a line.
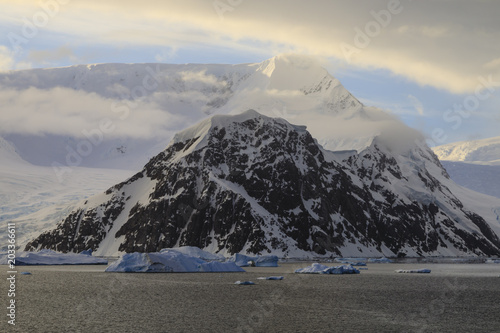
436,64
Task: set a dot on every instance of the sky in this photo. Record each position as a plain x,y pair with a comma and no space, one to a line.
435,64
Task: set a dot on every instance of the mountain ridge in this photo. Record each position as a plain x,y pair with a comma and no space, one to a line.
253,184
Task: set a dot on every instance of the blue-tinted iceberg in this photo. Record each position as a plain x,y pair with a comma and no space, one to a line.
380,260
257,261
492,261
196,252
322,269
353,263
168,261
49,257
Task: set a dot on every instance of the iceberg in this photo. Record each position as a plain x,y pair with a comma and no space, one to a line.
168,261
270,278
422,270
353,263
322,269
244,283
258,261
492,261
49,257
194,251
380,260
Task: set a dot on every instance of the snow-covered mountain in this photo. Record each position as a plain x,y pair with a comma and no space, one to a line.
63,123
143,105
473,164
484,151
118,116
255,184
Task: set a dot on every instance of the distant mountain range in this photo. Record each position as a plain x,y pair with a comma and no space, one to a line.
473,164
484,152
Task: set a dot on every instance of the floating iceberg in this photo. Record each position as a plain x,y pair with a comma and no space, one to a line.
270,278
322,269
258,261
380,260
492,261
49,257
353,263
342,260
168,261
244,283
422,270
196,252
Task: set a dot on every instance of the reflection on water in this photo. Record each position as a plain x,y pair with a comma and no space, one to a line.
453,298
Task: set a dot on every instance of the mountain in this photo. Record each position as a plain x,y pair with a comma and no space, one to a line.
255,184
76,120
473,164
146,104
484,151
87,121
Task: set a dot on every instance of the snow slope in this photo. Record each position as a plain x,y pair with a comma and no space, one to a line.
485,151
480,178
34,197
473,164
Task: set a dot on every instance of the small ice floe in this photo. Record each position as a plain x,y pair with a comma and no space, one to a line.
380,260
244,283
322,269
492,261
270,278
25,273
258,261
363,268
422,270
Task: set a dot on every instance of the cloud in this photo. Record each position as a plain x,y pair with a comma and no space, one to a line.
429,42
426,41
64,111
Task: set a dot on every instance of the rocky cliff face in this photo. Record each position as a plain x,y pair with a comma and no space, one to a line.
255,184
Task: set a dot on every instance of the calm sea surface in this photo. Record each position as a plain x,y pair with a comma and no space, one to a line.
453,298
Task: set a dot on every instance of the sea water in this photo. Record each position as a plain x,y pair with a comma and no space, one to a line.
452,298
